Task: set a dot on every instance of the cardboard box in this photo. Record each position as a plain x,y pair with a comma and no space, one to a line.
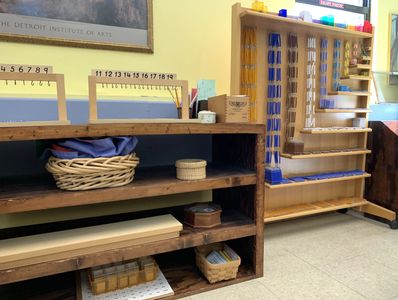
230,109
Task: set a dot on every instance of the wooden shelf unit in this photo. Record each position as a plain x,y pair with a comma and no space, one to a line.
293,195
236,176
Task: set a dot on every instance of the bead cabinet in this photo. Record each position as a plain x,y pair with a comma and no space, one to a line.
333,88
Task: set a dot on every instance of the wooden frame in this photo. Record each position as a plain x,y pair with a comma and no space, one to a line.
328,150
88,30
392,78
59,81
92,95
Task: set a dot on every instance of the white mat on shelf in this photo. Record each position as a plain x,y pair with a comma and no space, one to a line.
156,289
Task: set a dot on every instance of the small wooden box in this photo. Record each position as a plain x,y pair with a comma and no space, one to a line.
230,109
203,215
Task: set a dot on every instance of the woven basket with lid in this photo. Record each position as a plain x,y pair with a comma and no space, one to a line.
191,169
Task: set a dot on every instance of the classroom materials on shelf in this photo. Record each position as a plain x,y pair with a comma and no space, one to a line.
107,278
322,176
344,88
155,289
354,54
40,248
327,20
38,80
273,171
324,101
191,169
327,103
292,145
230,109
85,164
347,57
311,88
203,215
248,70
283,13
305,16
217,262
295,147
359,122
259,6
178,89
333,128
336,64
207,117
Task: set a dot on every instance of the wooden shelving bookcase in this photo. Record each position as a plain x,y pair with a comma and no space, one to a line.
236,176
325,151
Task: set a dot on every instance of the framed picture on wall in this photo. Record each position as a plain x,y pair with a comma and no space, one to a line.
105,24
393,49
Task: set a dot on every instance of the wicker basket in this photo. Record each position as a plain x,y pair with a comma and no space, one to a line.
191,169
215,272
92,173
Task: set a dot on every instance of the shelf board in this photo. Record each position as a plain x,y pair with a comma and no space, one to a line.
327,154
25,133
306,209
353,93
186,280
18,195
234,225
311,182
361,66
342,110
268,19
317,131
356,77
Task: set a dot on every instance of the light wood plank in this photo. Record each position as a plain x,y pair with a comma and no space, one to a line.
73,239
33,123
318,207
343,110
353,93
331,130
361,66
144,121
329,154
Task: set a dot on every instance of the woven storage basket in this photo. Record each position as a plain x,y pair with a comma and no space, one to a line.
92,173
191,169
215,272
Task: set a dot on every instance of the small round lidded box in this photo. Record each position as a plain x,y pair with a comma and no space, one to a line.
191,169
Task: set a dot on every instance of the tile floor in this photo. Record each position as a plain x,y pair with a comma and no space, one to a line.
331,256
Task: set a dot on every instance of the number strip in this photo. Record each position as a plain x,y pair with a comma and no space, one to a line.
133,74
35,69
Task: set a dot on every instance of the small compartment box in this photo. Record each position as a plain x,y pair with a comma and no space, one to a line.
230,109
107,278
215,272
203,215
191,169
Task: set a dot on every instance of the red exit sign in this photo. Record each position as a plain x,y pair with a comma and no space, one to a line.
331,4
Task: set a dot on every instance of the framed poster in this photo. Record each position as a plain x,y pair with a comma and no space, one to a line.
105,24
393,49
